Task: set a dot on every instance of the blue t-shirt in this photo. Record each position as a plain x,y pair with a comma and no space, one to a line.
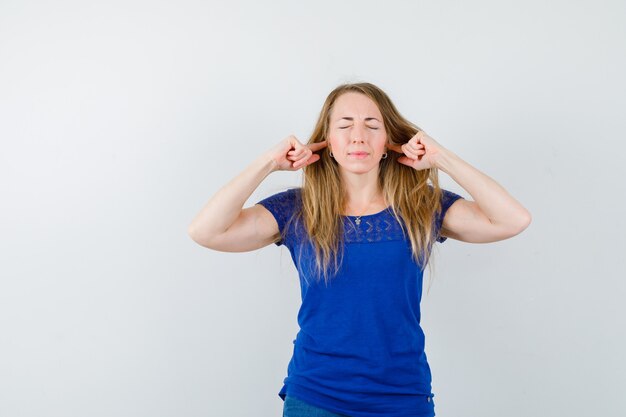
360,347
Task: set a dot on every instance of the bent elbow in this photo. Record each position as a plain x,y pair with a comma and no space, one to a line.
526,220
191,232
523,223
200,240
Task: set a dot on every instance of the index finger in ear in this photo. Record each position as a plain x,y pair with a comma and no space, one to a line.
317,145
395,148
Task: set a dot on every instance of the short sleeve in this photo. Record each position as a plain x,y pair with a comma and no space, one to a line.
282,206
447,198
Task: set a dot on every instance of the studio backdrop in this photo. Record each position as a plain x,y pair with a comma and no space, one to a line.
119,120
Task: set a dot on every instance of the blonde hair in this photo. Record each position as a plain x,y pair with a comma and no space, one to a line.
405,189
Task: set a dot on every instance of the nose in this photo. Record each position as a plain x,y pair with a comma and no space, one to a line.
359,133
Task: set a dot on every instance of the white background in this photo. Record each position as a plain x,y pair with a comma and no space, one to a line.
119,120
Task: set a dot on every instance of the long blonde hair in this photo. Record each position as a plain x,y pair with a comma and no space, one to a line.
405,189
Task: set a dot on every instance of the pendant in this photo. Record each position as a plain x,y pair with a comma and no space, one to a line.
358,221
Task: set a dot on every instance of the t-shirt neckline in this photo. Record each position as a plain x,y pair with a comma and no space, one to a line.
370,215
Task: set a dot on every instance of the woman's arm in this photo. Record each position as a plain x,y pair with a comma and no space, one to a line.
493,215
209,226
224,225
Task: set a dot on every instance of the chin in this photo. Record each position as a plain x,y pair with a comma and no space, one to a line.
358,170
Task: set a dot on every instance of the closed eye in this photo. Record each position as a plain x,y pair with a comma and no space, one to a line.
345,127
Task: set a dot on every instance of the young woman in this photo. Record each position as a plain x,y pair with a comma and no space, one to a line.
360,231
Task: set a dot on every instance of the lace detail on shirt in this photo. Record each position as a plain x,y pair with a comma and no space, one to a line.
379,227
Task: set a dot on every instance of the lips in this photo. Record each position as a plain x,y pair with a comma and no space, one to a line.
358,155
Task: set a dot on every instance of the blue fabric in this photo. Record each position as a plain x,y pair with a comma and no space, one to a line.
360,347
294,407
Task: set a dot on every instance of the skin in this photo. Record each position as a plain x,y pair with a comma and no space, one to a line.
494,214
356,124
347,136
364,133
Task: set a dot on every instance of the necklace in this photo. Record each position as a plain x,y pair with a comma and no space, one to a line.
358,218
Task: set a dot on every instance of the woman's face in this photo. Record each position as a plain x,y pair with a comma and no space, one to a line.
357,135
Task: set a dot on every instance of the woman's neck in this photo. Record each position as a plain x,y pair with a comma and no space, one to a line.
363,195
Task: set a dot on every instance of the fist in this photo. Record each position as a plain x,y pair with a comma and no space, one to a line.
420,152
290,154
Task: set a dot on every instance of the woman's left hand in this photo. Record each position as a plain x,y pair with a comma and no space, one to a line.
420,152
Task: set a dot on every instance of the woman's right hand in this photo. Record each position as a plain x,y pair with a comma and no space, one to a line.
291,155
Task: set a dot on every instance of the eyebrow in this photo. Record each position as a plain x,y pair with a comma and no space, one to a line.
366,119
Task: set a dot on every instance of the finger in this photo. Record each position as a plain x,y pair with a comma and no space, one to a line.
394,147
297,152
314,158
422,164
296,165
415,164
415,145
303,159
293,142
415,150
406,161
408,152
417,138
317,145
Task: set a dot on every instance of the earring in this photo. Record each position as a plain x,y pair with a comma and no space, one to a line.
331,154
384,155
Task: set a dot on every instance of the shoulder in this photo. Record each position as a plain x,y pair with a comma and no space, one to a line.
447,199
283,205
288,197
